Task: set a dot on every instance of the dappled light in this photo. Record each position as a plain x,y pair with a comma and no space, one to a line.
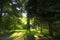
29,20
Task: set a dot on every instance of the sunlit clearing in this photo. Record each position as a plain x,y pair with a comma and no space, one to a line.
31,21
17,34
24,20
19,26
35,36
33,29
13,35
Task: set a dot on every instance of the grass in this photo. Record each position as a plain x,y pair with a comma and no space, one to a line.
19,34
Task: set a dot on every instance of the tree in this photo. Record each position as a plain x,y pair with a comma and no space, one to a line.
12,9
2,4
46,10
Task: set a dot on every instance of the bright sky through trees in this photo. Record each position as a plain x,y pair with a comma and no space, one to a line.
25,13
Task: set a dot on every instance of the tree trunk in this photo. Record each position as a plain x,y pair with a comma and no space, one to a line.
50,29
0,19
28,21
41,25
1,9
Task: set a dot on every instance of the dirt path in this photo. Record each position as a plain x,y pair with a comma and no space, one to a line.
15,36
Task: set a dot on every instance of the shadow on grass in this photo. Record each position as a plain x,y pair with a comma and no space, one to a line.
14,35
22,35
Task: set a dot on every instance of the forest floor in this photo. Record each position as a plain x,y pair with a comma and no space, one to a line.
13,35
19,35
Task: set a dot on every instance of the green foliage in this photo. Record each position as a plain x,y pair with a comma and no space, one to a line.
45,12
